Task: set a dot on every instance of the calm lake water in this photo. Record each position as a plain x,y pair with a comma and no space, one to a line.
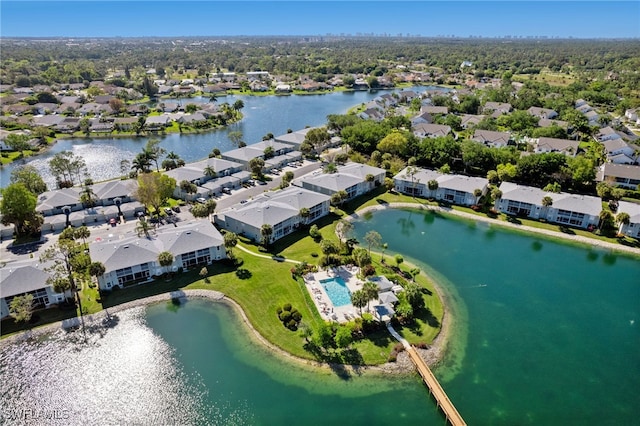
262,115
546,333
147,370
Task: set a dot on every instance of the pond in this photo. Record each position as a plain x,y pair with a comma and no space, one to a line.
545,332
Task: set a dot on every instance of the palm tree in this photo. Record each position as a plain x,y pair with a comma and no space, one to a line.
622,219
477,193
143,228
165,259
141,163
230,241
304,214
96,269
370,290
266,231
83,233
210,172
359,299
432,185
87,197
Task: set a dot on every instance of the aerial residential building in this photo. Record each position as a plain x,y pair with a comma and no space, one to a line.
564,146
456,189
632,229
27,277
581,211
353,178
622,175
492,138
282,210
134,260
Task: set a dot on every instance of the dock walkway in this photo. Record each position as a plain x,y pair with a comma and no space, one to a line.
443,401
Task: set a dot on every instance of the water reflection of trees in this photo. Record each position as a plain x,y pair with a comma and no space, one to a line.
407,225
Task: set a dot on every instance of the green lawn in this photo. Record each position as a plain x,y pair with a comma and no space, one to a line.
267,284
10,157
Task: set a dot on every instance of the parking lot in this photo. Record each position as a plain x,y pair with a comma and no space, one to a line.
109,231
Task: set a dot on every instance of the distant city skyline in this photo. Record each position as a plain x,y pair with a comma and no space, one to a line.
487,19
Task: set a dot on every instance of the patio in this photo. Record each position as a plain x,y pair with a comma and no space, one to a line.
328,311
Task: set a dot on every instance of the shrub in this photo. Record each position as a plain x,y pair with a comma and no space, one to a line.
278,311
398,348
297,316
285,316
393,357
368,270
422,345
292,325
314,254
286,307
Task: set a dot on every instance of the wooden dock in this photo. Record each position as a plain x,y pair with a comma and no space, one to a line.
443,401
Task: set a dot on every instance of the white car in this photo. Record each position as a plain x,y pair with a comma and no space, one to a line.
201,200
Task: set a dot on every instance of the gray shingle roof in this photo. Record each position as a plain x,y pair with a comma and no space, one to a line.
186,239
114,188
490,136
556,144
632,209
58,198
18,278
273,208
133,251
564,201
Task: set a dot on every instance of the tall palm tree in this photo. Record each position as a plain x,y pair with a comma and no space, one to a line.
622,219
83,233
165,259
304,214
359,299
141,163
370,290
432,185
143,228
97,269
210,172
266,232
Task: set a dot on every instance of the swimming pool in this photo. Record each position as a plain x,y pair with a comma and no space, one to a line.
337,291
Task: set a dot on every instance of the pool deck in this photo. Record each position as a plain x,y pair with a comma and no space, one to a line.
321,299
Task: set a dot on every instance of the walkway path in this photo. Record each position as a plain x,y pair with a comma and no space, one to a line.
576,238
443,401
264,256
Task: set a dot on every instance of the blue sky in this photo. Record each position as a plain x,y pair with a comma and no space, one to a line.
579,19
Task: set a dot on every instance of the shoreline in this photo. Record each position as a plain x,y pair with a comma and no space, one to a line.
522,228
99,319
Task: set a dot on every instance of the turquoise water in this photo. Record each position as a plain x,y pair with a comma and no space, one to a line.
337,291
546,333
244,384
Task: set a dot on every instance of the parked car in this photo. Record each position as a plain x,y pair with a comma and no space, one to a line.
176,209
113,221
168,211
201,200
226,190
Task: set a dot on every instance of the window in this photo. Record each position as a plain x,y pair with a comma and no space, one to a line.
196,257
570,218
